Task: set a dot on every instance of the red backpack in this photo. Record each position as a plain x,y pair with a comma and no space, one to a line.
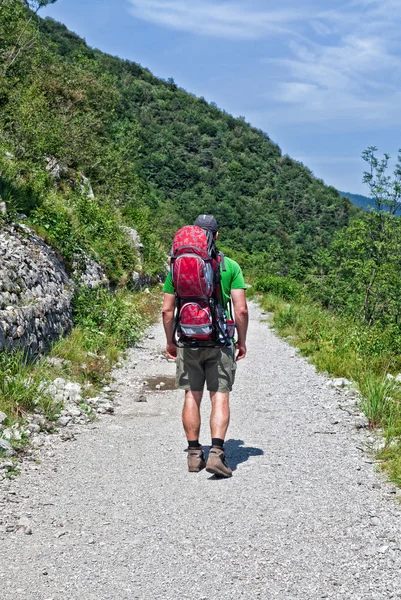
195,271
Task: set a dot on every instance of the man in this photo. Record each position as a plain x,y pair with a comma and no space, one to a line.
215,366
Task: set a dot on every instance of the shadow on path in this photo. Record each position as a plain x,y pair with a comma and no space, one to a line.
236,452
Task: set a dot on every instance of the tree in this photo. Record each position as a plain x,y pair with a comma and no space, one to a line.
384,189
25,36
363,270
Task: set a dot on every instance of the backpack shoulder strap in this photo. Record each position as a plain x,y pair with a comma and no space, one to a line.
222,262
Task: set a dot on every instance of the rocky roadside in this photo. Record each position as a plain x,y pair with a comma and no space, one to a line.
113,512
46,442
24,447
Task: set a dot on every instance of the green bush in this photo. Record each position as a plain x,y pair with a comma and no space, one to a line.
104,315
286,288
20,389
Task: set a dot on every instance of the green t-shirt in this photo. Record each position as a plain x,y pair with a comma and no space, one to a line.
231,279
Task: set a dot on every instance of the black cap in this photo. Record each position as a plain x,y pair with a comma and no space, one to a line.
207,222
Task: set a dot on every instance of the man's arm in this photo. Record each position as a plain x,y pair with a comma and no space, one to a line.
168,323
241,320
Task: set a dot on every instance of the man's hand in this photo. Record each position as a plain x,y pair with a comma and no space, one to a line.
241,351
241,320
171,351
168,322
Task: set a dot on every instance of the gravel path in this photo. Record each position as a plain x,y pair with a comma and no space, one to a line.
115,515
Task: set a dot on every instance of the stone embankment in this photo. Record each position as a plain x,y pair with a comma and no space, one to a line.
35,292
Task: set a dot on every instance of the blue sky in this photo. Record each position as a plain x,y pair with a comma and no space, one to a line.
322,78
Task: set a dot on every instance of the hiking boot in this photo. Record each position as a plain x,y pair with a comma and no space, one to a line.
196,460
216,463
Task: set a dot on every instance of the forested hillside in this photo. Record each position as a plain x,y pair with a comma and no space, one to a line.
359,200
155,155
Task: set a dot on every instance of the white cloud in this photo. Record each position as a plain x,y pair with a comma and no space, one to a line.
349,80
333,61
224,20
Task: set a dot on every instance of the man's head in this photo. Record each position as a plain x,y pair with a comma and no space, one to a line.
209,223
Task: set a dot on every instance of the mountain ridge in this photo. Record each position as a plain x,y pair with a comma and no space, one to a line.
156,156
359,200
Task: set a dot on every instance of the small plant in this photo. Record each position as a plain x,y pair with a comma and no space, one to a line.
20,386
286,316
378,399
286,288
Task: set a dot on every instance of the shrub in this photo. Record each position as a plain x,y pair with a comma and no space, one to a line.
20,389
286,288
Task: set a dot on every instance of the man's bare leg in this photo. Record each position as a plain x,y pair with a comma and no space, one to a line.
192,421
220,415
219,420
191,415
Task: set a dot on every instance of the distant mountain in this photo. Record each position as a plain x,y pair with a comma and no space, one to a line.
362,201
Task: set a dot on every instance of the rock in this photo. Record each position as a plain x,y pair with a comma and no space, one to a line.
12,433
361,423
375,521
339,382
353,391
378,444
56,362
54,169
75,412
139,281
24,526
3,418
7,466
133,237
158,386
63,421
390,377
6,448
37,441
3,208
88,272
34,428
72,392
86,188
35,292
59,383
141,398
40,420
93,401
398,378
19,332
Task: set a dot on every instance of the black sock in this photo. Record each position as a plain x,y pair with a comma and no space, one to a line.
219,443
193,444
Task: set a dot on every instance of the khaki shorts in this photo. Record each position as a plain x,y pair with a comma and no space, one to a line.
216,366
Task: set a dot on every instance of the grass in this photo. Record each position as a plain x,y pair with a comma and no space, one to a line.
342,348
20,390
106,324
